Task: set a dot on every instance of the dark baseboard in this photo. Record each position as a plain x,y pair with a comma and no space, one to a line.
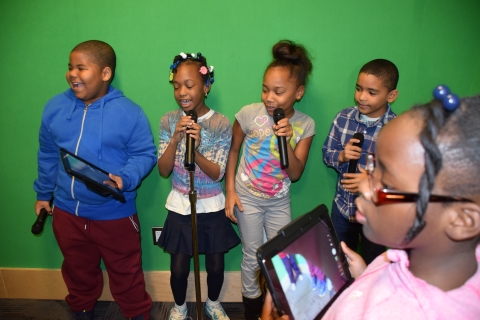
33,309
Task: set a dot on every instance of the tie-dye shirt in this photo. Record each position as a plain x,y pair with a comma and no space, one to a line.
216,137
259,173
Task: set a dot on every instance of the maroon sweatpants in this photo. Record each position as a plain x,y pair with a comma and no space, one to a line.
83,243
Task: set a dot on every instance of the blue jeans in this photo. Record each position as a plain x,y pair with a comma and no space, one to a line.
352,234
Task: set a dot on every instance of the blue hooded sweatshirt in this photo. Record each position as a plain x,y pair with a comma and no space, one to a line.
113,133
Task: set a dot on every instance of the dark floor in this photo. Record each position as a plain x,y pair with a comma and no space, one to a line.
105,310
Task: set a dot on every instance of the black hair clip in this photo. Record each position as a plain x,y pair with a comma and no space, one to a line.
450,101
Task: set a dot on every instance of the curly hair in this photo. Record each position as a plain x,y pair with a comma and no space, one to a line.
451,140
294,57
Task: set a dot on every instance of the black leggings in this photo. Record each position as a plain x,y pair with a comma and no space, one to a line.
180,268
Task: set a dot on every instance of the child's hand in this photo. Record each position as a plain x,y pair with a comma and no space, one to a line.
350,152
283,129
194,131
116,183
231,201
351,181
40,204
181,128
356,264
269,312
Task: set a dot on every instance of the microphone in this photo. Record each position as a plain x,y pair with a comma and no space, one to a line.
37,227
189,162
352,165
279,114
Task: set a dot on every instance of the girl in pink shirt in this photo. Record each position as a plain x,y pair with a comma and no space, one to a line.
422,198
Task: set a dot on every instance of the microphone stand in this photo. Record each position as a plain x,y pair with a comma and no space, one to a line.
192,196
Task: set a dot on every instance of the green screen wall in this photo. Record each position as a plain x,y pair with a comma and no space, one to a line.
431,42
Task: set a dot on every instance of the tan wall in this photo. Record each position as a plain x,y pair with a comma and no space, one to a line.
19,283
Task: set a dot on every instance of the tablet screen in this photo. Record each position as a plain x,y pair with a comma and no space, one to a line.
305,268
90,174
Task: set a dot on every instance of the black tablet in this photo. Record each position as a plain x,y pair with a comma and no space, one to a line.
304,266
91,175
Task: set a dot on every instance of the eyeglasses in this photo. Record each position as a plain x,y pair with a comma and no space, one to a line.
383,196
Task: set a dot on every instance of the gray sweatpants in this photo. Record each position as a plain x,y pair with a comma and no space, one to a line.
258,215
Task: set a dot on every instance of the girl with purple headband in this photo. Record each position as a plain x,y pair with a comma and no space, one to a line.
192,80
422,200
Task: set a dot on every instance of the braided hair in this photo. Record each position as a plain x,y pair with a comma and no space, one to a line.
451,140
205,71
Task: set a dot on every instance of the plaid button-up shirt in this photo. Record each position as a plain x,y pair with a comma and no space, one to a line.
344,126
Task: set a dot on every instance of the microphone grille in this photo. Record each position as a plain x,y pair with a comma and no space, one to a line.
278,112
359,136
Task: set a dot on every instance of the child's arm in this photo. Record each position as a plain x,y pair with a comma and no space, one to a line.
41,204
141,154
212,170
297,159
214,159
351,152
269,312
335,154
167,160
356,264
232,198
351,181
47,160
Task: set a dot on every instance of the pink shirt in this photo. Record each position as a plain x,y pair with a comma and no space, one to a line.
387,290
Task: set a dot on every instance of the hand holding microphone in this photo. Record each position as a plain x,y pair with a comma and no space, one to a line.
189,162
352,165
37,227
279,114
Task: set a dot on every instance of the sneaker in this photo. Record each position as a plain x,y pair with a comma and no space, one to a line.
329,284
83,315
321,286
214,311
177,314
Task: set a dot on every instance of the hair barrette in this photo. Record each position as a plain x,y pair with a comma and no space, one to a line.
450,101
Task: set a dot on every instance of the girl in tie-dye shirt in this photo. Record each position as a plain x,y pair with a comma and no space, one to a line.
212,133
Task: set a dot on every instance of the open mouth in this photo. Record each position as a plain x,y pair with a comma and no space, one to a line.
76,84
184,102
270,108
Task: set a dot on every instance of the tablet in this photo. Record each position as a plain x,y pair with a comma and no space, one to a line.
304,266
92,176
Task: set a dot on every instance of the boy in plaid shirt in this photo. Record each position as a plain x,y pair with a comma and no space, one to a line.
375,90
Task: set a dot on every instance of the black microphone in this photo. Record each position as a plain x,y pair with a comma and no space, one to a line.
37,227
279,114
189,162
352,166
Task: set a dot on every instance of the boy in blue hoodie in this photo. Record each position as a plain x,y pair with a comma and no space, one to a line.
99,124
